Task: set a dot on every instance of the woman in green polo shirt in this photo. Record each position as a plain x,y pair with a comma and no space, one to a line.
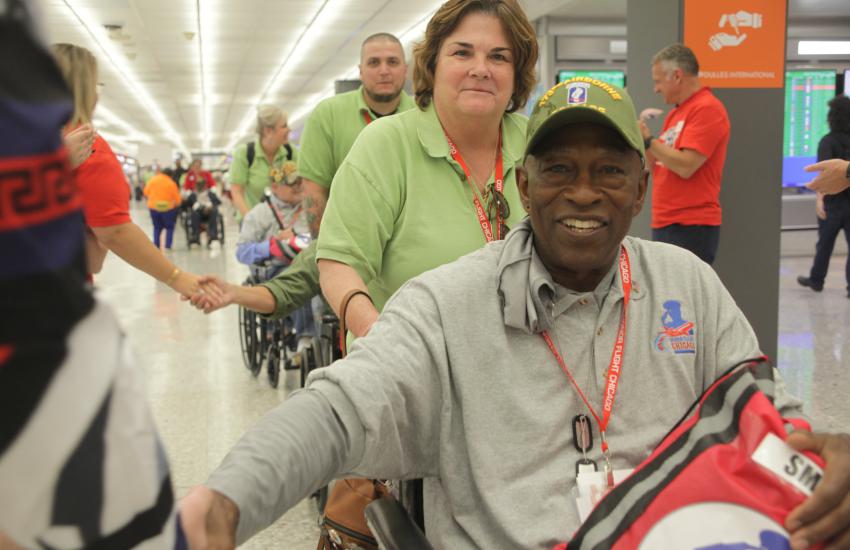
404,200
253,163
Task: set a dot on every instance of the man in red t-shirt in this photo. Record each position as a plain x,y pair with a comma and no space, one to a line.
687,158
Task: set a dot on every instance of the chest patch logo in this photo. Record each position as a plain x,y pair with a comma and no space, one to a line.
672,134
677,333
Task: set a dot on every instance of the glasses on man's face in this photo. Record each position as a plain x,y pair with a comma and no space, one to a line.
498,208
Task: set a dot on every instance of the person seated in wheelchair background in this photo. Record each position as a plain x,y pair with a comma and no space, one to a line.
274,232
201,202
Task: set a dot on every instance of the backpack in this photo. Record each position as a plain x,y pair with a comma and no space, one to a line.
252,152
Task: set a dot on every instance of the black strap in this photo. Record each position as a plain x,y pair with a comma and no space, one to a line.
251,153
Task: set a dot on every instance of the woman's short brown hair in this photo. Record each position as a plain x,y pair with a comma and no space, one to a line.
518,29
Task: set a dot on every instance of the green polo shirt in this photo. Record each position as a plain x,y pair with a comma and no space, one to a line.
255,179
331,130
400,205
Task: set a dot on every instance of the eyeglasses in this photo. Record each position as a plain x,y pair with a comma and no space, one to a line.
498,208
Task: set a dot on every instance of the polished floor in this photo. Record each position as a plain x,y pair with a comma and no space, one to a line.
203,398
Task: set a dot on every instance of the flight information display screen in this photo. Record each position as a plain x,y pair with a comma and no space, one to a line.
617,78
807,93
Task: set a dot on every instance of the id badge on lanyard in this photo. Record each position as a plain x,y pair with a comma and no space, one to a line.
592,484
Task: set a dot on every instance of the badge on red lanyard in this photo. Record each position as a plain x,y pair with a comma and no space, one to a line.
498,186
614,368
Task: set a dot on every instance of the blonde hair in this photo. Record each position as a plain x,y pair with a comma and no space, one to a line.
79,68
520,35
268,116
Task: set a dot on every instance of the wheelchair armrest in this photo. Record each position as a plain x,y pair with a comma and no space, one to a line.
393,528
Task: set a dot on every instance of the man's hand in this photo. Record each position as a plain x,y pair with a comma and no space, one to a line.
79,143
832,178
212,294
649,113
819,207
285,234
209,519
644,129
825,516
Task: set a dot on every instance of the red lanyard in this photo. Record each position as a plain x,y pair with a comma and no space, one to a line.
614,368
367,117
498,186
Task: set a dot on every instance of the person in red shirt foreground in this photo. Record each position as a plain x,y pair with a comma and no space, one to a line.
103,188
687,158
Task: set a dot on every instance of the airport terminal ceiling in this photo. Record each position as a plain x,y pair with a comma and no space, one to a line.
189,72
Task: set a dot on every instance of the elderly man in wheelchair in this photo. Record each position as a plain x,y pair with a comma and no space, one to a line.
476,374
272,235
200,208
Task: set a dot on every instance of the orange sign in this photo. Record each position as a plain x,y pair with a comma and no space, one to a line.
739,43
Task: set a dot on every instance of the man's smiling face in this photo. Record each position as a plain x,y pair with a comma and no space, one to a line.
581,186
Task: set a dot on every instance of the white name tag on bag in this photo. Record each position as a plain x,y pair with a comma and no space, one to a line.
787,464
592,486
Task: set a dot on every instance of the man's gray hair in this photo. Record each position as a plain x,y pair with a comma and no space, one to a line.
677,56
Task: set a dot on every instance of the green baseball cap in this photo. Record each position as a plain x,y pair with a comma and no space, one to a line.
584,99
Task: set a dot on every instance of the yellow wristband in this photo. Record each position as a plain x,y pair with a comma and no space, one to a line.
173,276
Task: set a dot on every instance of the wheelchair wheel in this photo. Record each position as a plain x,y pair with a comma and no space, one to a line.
274,358
246,335
321,497
220,225
308,363
261,344
186,222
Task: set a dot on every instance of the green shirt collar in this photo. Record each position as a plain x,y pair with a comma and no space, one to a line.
405,103
433,139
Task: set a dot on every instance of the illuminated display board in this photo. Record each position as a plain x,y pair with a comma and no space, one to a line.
807,93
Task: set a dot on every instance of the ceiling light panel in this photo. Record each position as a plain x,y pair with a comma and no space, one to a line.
110,53
333,53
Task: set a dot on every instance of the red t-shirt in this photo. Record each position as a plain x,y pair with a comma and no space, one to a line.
190,180
103,187
699,123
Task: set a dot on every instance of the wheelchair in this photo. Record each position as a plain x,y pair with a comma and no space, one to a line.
186,210
266,343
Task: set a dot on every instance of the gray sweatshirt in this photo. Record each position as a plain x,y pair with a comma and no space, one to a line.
455,385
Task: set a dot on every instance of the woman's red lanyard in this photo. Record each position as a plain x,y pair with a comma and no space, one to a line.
498,186
614,369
